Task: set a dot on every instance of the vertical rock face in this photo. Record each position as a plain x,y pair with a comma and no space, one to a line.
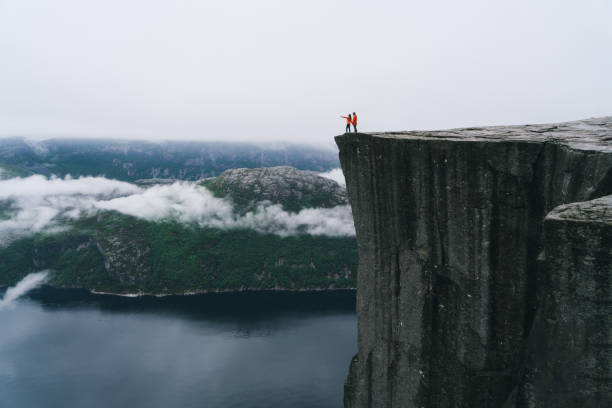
449,228
570,348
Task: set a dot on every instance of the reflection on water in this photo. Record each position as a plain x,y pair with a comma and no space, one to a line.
71,348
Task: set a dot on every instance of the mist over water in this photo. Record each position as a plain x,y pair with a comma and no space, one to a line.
31,281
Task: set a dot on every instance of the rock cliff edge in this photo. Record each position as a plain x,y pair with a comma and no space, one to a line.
485,270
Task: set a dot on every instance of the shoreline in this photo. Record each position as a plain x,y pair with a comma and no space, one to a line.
210,291
135,295
190,293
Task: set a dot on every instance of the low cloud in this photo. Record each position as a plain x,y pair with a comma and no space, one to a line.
336,175
29,205
31,281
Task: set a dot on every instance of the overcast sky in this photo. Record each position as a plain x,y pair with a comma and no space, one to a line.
285,70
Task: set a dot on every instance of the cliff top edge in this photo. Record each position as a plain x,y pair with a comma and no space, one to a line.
595,211
587,134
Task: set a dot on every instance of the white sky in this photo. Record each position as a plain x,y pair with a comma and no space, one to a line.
285,70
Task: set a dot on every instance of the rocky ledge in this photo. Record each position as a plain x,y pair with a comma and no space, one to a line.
569,361
471,292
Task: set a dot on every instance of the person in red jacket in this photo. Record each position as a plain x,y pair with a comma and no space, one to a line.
348,123
354,121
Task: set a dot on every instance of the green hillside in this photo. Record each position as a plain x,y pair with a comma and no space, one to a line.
122,254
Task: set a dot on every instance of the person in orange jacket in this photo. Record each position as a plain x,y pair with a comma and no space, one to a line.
348,123
354,121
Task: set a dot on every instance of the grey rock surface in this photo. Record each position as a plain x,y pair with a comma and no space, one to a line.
154,181
570,348
294,189
598,211
450,234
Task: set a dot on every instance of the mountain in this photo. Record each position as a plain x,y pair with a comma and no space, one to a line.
111,251
292,188
133,160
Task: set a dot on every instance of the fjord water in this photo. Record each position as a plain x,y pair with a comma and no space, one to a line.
62,348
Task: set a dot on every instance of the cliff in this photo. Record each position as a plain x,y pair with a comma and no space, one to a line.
570,350
456,262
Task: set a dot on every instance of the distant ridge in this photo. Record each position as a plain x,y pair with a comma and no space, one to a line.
135,160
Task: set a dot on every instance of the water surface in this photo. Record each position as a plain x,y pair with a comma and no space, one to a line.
74,349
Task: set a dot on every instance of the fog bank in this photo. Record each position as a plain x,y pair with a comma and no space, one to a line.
29,205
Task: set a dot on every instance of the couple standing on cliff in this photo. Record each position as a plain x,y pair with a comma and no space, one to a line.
350,120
